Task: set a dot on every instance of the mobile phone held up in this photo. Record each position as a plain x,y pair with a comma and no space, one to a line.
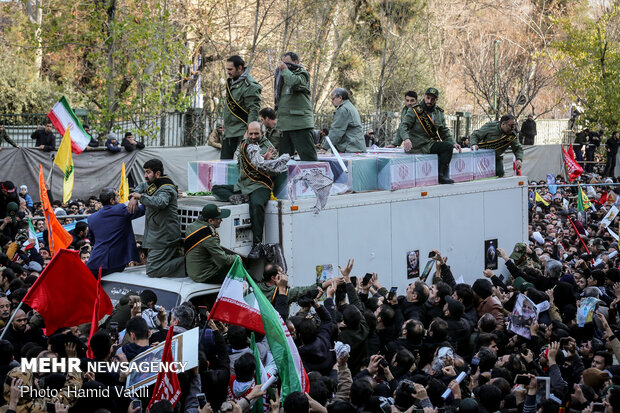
366,279
522,379
392,293
202,400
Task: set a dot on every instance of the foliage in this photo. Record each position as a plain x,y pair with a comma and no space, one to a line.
22,92
122,56
590,54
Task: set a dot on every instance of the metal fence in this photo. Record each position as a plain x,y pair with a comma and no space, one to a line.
193,127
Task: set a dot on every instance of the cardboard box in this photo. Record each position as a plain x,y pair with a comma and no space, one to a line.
462,166
426,172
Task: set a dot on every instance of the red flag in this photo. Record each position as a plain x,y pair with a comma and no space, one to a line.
580,239
571,152
58,237
573,168
65,292
603,198
167,386
94,323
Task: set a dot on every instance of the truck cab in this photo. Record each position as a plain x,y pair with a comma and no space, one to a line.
170,291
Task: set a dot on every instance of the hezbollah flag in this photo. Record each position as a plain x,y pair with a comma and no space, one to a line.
540,199
241,302
583,202
64,161
123,189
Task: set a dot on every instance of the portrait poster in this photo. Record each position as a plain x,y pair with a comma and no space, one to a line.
523,315
324,272
490,254
413,264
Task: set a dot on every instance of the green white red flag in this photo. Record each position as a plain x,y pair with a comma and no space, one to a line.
63,118
32,235
241,302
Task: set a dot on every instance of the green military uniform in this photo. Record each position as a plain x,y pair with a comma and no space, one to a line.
426,129
273,135
295,115
491,136
400,132
346,130
254,181
292,293
242,106
205,259
423,141
4,136
161,228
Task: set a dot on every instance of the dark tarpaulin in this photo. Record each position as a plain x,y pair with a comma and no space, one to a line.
97,169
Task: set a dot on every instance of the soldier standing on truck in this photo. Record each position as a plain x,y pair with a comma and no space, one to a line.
293,104
499,136
161,225
242,104
205,259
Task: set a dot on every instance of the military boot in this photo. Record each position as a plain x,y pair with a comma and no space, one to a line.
444,174
256,251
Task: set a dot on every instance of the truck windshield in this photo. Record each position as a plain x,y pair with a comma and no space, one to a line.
116,290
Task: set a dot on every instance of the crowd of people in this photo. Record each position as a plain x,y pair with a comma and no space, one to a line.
441,346
539,338
45,140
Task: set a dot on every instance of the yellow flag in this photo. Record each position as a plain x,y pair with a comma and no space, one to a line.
540,199
64,161
123,190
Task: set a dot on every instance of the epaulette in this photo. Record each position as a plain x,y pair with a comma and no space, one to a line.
439,109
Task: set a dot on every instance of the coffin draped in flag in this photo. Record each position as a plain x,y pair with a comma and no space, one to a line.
241,302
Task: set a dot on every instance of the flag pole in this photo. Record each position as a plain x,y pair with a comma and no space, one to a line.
8,323
49,176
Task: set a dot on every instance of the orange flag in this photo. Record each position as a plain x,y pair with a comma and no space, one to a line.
58,237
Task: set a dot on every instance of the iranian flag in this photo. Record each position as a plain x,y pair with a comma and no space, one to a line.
32,235
241,302
63,118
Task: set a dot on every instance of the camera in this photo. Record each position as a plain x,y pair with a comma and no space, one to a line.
407,385
307,299
432,254
383,363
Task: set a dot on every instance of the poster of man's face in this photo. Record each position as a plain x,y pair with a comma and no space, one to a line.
413,264
490,254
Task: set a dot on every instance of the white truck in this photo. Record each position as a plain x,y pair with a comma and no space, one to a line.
378,229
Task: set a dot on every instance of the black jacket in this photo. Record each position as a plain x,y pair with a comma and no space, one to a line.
317,356
411,311
47,139
459,331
